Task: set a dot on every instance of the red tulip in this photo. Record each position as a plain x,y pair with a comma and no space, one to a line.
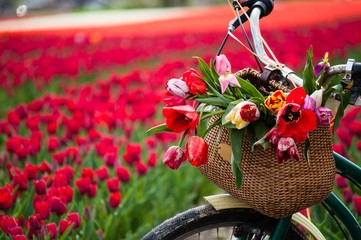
341,182
344,136
64,224
347,195
7,224
17,233
115,199
66,194
57,205
44,167
180,118
31,171
51,230
35,222
152,159
196,86
132,153
113,184
92,190
75,219
43,209
13,118
141,168
123,174
196,151
338,147
87,173
171,101
60,180
6,197
294,122
102,173
356,200
20,180
174,157
83,185
59,157
40,186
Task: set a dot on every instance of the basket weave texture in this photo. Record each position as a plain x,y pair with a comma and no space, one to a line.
276,190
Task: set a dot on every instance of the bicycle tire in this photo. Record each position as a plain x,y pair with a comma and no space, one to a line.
205,217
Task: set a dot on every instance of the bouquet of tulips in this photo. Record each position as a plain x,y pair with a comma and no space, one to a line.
277,119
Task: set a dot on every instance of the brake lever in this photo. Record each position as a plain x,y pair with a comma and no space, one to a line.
352,82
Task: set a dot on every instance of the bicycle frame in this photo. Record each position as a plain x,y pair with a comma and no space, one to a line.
346,168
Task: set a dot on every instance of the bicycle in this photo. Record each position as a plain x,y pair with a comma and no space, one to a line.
225,213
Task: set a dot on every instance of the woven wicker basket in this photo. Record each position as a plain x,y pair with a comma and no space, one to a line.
276,190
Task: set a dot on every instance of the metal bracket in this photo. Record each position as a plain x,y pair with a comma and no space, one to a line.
348,77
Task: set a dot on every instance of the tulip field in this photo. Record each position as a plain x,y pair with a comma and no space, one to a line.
75,159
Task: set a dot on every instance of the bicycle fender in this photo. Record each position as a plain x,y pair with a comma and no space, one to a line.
226,201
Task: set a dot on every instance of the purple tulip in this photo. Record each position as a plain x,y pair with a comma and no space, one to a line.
177,87
324,116
309,103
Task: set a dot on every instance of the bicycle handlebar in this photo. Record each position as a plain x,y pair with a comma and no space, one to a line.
260,8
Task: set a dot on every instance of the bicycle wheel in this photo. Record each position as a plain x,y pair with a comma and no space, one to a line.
204,222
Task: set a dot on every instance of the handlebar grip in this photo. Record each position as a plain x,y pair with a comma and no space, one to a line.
356,88
266,6
356,70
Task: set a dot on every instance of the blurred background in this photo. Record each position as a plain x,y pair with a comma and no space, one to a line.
10,7
77,96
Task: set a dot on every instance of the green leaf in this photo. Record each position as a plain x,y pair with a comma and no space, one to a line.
217,93
209,128
261,130
345,99
206,72
211,114
67,232
160,128
249,89
333,84
236,138
214,101
236,172
308,75
305,150
213,71
261,142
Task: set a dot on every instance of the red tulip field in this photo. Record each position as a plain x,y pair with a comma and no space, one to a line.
75,104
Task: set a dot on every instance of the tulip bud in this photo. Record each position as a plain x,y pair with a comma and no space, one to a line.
356,200
324,116
286,149
174,157
222,65
40,186
249,112
115,199
324,64
177,87
197,151
75,219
